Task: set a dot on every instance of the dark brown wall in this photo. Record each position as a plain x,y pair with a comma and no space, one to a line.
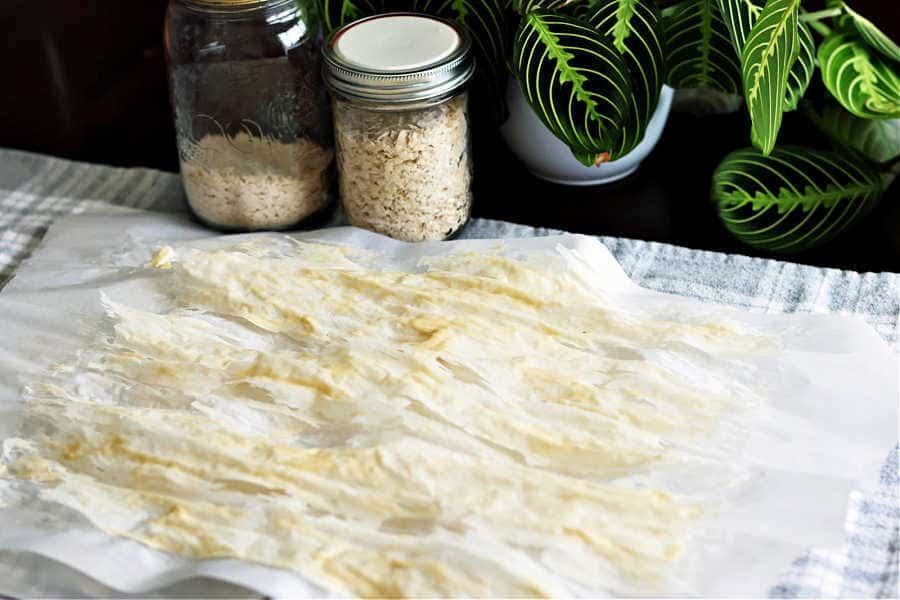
86,79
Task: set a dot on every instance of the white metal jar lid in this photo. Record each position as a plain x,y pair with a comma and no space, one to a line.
398,58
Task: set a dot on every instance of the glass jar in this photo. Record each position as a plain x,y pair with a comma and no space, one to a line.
251,112
401,124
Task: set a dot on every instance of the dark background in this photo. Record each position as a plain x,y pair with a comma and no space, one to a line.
87,80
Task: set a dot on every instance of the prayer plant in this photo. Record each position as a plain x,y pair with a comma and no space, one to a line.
592,71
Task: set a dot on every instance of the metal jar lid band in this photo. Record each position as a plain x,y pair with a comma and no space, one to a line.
398,87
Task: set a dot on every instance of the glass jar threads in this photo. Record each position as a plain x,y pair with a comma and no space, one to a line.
398,84
251,112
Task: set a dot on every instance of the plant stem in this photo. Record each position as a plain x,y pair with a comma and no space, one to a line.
811,17
820,28
817,26
814,19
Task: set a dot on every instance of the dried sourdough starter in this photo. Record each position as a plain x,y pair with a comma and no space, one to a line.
482,427
405,174
248,182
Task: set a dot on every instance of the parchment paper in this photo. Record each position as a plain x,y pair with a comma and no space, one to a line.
831,420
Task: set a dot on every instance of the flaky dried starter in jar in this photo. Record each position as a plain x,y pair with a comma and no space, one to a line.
251,112
398,83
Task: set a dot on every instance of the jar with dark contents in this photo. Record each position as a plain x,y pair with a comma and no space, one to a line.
251,113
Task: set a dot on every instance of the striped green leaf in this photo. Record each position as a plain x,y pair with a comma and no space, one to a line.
740,15
575,80
878,140
635,27
699,51
864,83
769,53
801,72
794,198
873,36
523,7
486,23
337,13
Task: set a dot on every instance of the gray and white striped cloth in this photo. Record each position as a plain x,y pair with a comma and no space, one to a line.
35,190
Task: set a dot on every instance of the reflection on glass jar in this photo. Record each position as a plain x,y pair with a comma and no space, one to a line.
251,112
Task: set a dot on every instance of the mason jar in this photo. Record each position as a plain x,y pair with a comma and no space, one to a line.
251,112
400,105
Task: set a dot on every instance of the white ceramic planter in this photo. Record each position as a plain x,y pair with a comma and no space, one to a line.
548,158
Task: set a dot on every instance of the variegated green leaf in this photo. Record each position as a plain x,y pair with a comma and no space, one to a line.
635,27
740,15
794,198
769,53
699,53
483,19
575,80
873,36
337,13
802,70
878,140
486,23
864,83
526,6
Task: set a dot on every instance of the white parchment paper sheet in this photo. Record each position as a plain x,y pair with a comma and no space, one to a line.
830,424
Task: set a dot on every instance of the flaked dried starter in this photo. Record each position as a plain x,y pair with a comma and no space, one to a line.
248,182
401,125
405,174
480,424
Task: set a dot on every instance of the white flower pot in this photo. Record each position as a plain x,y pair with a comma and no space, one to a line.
548,158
